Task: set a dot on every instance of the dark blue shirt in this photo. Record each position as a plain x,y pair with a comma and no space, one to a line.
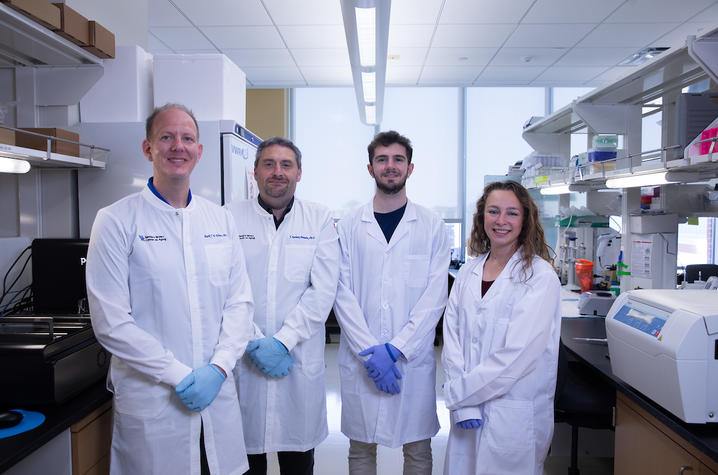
389,221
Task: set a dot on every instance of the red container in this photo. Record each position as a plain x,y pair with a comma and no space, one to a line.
584,272
708,134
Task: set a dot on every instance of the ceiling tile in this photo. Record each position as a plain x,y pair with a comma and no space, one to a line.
677,37
163,13
509,74
224,12
484,11
460,56
327,76
414,12
410,36
182,38
657,11
321,57
273,75
314,36
455,75
625,35
316,12
570,11
259,57
242,37
562,74
472,36
402,75
558,35
595,56
156,46
406,56
527,56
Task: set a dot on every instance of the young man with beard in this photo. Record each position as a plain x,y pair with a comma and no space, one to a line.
293,260
391,293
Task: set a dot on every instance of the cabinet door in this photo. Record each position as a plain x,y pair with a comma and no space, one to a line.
641,448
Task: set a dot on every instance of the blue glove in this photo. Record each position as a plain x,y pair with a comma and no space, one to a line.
469,424
389,382
283,368
382,360
266,353
199,388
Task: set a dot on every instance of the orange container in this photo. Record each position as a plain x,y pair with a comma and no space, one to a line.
584,272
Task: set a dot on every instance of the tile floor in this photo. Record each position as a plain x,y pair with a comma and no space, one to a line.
331,455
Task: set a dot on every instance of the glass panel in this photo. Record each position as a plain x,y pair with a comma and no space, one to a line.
333,143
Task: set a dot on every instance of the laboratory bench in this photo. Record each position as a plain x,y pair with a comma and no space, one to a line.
82,424
648,438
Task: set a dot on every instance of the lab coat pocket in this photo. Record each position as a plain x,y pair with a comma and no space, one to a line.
510,426
298,262
137,395
219,260
416,270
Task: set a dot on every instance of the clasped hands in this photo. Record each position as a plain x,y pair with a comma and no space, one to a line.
199,388
270,356
381,369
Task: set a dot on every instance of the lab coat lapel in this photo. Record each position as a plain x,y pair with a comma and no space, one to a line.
405,224
372,227
475,283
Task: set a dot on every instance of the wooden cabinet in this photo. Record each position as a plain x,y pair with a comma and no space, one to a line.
91,438
646,446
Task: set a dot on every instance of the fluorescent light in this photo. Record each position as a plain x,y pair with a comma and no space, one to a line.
368,84
366,33
370,113
10,165
633,181
556,190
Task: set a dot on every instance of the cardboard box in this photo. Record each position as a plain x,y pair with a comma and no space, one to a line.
7,136
41,11
40,143
101,42
73,26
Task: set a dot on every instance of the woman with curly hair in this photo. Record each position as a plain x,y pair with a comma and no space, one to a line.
501,335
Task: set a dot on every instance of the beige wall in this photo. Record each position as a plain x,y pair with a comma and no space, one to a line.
268,112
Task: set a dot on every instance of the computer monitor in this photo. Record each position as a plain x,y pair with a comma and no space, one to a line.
58,275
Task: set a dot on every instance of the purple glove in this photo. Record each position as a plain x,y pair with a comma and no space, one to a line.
469,424
382,360
389,382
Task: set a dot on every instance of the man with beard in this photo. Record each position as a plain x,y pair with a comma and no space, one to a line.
391,293
292,256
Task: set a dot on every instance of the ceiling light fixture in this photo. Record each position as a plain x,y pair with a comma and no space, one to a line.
11,165
568,188
366,26
654,179
643,55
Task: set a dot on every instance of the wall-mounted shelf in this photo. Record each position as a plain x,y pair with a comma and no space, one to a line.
96,157
26,43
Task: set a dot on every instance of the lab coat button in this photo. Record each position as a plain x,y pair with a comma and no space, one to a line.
474,340
385,306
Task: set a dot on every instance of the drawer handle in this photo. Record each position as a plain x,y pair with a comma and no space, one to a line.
684,469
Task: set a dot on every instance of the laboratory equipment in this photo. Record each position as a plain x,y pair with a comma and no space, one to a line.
595,302
663,342
608,246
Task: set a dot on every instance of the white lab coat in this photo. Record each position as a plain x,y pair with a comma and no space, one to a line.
391,292
168,292
500,356
294,272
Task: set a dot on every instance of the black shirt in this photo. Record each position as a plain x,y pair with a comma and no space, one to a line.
268,209
389,221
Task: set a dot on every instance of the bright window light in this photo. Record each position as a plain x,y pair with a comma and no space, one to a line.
10,165
638,180
368,83
370,113
366,32
555,190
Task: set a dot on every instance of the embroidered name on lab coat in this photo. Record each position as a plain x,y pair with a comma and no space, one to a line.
246,236
149,237
215,235
299,236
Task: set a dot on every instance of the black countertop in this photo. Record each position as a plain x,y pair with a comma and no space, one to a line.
57,419
703,436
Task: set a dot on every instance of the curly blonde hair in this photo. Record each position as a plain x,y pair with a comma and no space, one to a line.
531,239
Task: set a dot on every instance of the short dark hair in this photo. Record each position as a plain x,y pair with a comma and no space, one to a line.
150,122
281,141
388,138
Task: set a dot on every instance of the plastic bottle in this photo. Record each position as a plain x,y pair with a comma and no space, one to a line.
621,270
